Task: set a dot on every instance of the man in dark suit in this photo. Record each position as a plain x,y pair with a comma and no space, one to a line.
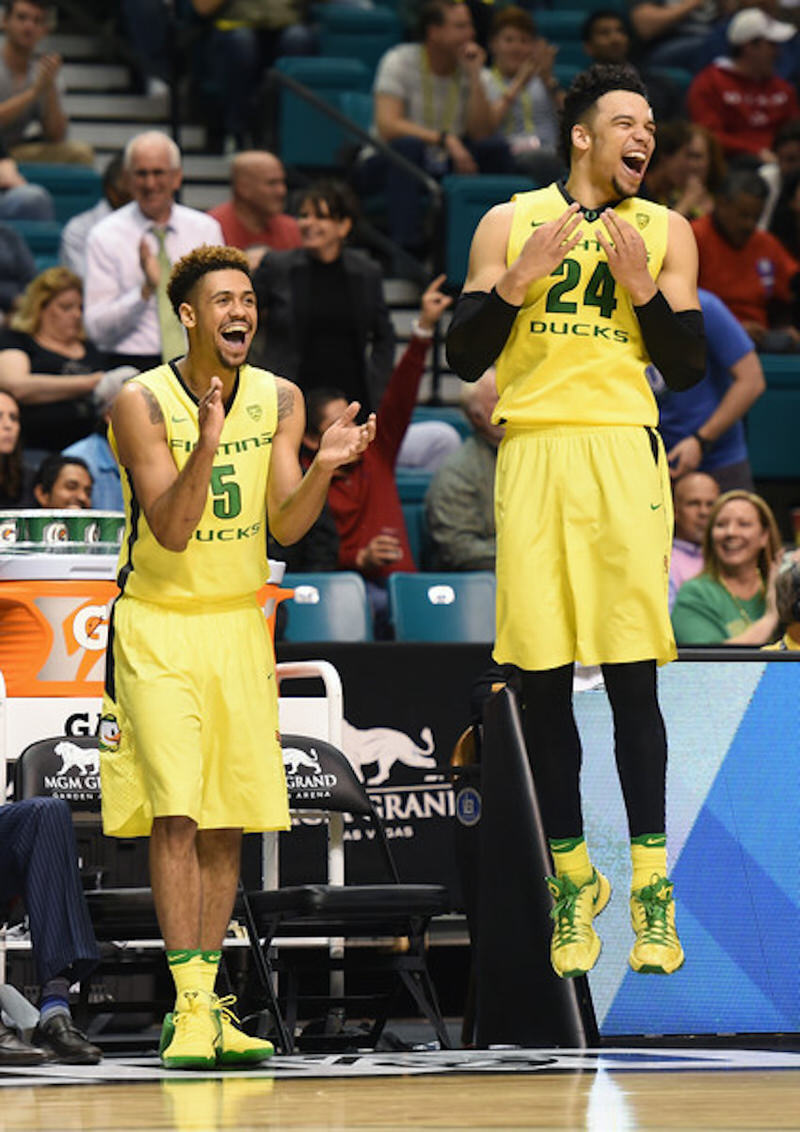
322,313
39,862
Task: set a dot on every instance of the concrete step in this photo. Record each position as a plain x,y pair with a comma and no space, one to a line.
205,195
74,46
96,76
206,167
107,137
119,107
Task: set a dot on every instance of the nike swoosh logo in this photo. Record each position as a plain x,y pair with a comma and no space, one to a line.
179,420
654,506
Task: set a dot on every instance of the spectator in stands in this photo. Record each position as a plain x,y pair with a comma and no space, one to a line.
15,490
363,498
95,450
733,600
787,64
606,38
749,269
673,32
431,107
336,292
779,172
741,100
254,218
76,231
244,38
17,267
334,289
39,863
19,200
785,222
787,601
703,428
694,495
706,170
63,482
459,504
522,91
129,255
48,364
33,125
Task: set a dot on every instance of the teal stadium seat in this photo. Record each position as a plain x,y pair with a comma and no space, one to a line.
772,420
357,33
561,25
466,200
447,413
327,607
308,137
74,188
43,237
443,607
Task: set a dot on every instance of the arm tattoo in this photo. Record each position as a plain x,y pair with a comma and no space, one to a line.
285,401
153,407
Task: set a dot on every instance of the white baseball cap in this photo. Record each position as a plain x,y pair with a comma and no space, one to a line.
752,23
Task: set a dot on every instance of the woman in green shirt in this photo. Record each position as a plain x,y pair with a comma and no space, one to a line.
733,600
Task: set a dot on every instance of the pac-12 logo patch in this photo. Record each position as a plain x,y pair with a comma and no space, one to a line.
255,411
109,733
642,219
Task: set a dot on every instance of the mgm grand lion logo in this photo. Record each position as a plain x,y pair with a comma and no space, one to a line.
78,777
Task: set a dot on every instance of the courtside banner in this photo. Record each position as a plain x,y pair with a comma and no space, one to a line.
733,796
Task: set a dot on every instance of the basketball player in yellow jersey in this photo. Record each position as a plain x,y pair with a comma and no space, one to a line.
208,448
575,289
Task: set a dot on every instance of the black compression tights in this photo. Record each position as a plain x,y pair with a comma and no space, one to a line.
554,746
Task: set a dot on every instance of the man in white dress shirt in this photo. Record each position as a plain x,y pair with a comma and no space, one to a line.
126,270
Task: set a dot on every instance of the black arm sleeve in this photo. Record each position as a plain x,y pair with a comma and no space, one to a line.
675,341
478,331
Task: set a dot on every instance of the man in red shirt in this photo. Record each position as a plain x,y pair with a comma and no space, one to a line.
253,219
363,496
750,270
741,100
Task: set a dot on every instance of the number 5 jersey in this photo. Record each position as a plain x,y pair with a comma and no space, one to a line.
226,557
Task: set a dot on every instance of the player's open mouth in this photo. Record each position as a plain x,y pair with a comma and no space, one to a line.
635,162
235,335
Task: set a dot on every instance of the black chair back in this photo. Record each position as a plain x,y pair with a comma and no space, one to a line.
63,766
320,777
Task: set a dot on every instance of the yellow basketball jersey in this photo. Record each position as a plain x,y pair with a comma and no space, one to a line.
575,354
226,557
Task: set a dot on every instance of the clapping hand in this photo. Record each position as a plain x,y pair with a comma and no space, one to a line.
345,440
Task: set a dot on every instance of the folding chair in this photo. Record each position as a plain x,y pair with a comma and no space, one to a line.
320,779
124,918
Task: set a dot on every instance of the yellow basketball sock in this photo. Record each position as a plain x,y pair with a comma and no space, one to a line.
193,970
649,858
571,859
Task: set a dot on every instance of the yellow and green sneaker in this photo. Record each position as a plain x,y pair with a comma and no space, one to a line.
234,1046
575,945
657,950
190,1034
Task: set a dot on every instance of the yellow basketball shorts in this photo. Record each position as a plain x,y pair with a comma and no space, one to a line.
190,720
584,530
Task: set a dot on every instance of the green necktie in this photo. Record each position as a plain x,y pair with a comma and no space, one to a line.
173,339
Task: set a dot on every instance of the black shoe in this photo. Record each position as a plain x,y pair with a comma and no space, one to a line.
13,1051
62,1040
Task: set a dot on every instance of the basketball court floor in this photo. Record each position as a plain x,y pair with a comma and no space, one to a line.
610,1089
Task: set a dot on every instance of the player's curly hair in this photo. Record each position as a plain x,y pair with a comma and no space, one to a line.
192,267
590,85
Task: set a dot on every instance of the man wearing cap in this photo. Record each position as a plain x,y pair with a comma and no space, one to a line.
741,99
